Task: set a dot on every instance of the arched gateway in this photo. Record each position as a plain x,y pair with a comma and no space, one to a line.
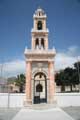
40,88
40,84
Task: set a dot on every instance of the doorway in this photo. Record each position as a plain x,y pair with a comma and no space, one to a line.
40,88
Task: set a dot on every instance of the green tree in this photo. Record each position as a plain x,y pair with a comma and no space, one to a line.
77,68
20,82
59,79
67,77
77,65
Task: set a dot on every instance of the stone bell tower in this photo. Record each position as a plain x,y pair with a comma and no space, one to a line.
40,84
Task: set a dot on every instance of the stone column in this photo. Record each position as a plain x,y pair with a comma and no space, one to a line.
51,82
33,42
35,24
28,82
46,42
39,43
44,24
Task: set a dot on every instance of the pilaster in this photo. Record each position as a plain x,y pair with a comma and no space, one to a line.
28,82
51,82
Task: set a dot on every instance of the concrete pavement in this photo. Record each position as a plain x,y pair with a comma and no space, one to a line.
49,114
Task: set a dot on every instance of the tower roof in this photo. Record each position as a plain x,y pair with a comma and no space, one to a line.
39,13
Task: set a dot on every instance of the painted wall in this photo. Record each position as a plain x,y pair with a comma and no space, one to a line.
67,99
11,100
17,100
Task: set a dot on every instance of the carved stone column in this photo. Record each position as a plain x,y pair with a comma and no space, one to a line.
28,82
46,42
33,42
51,82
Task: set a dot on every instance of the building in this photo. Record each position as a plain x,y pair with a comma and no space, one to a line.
13,88
40,84
3,85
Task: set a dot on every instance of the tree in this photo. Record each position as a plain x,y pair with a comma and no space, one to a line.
67,77
20,82
77,65
59,79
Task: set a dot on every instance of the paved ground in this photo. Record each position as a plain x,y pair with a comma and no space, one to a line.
44,114
73,111
8,114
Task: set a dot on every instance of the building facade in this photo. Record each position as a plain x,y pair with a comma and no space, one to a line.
40,84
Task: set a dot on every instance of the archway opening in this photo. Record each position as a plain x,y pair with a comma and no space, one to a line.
39,25
42,43
37,43
40,88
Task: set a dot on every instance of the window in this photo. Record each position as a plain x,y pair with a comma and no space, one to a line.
42,43
39,14
39,88
39,25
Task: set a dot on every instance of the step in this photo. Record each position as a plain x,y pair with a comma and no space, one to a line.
40,106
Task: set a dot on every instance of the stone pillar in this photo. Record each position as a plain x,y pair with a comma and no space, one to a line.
28,82
46,42
51,82
33,42
44,24
39,43
35,24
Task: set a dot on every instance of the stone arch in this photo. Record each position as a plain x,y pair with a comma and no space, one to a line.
37,71
40,75
39,88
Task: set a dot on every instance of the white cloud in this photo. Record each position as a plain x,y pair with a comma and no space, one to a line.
62,60
73,50
67,58
12,68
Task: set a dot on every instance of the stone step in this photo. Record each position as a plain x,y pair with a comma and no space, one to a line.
41,106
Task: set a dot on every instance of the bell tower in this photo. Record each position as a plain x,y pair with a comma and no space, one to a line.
39,31
40,83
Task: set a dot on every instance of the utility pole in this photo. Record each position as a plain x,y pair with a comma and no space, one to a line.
1,76
78,68
1,70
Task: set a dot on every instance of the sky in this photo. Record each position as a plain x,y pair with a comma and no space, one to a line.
16,22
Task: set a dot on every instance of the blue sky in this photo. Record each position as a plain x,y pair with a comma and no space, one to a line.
16,21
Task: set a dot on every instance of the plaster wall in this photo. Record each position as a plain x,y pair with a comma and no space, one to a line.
17,99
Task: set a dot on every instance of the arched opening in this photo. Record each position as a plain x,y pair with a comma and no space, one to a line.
39,13
39,25
37,43
42,43
40,88
40,76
